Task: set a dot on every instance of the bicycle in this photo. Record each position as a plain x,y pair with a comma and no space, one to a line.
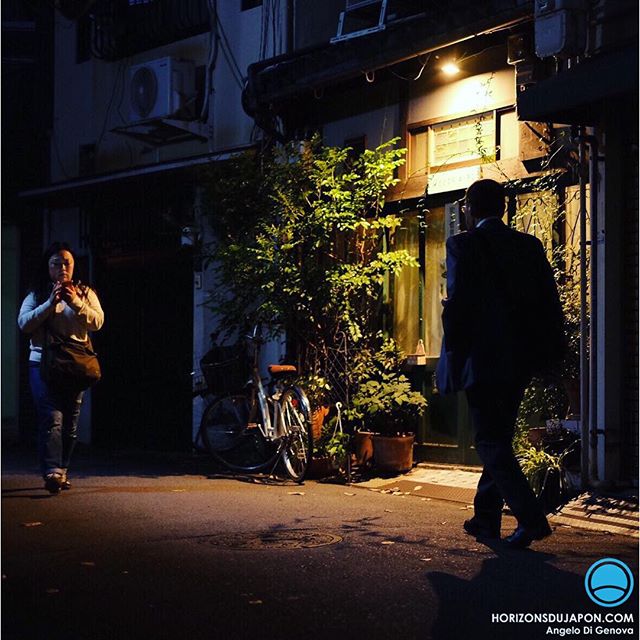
254,430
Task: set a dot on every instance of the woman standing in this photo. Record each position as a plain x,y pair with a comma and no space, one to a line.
57,305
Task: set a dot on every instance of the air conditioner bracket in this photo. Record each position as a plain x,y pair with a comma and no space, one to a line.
161,132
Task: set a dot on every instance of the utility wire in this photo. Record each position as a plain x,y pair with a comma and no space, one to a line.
113,95
424,65
214,42
228,53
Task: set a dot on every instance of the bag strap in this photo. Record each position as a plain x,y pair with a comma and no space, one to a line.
48,333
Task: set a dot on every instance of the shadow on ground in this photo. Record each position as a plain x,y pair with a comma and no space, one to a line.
513,582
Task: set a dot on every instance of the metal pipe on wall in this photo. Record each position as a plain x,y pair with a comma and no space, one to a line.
584,340
593,310
588,322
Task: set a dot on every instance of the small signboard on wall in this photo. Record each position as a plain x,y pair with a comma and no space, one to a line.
453,180
451,219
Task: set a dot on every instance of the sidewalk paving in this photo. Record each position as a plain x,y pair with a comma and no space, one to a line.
591,510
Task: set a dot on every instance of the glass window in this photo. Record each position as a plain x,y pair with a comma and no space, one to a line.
509,144
435,284
572,227
406,289
465,141
535,213
461,140
407,306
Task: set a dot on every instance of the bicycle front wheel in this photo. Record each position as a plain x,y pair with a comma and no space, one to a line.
233,439
298,444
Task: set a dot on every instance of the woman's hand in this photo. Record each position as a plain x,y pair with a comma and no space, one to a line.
68,291
56,294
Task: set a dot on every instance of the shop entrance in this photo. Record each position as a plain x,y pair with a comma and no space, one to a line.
445,432
145,283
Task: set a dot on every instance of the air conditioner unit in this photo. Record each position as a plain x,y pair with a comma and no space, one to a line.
162,88
560,28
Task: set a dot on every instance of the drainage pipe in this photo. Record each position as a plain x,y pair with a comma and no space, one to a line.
593,310
584,358
589,326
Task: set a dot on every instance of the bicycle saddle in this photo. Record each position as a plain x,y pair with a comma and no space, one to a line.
281,369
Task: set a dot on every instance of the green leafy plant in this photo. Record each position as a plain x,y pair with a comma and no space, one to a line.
316,387
384,401
537,465
542,401
309,256
333,444
547,471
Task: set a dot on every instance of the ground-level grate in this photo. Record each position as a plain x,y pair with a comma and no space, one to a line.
280,539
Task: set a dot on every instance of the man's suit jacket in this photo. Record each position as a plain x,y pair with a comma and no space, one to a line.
502,317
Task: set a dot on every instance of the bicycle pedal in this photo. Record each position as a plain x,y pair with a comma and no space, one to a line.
252,425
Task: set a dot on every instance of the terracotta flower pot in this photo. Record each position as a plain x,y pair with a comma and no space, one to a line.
317,420
393,453
363,447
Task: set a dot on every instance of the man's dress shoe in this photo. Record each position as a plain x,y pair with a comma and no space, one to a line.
479,529
522,537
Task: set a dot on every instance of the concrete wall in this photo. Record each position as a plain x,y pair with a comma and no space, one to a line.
10,304
91,98
377,126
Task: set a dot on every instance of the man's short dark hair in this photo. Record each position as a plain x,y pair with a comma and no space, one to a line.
485,198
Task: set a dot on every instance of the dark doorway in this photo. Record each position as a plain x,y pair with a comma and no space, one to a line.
144,280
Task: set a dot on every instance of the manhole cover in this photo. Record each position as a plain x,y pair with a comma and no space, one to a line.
285,539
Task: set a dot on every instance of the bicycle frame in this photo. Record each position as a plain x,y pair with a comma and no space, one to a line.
272,425
259,400
235,424
272,428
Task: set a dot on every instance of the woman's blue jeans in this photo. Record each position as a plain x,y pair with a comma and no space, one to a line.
57,412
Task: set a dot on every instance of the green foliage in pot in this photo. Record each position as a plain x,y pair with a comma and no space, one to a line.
332,444
547,474
537,465
542,401
384,401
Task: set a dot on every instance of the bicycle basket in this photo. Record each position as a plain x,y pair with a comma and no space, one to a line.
225,369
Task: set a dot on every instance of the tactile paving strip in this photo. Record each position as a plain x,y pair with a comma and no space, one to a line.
428,490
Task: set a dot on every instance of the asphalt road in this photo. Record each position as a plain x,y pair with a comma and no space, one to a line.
160,548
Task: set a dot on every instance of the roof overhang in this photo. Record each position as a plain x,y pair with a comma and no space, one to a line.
73,192
271,83
576,96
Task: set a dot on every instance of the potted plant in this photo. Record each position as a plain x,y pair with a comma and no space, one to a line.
386,405
330,451
547,474
316,387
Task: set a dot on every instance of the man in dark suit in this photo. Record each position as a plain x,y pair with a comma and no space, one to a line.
502,323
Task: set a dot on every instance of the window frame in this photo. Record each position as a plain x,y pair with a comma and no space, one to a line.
426,127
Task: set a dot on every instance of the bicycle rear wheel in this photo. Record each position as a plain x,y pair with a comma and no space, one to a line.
231,438
298,445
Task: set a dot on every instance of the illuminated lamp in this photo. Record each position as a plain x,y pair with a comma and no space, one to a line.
451,68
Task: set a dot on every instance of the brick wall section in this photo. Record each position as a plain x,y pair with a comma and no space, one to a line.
630,310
